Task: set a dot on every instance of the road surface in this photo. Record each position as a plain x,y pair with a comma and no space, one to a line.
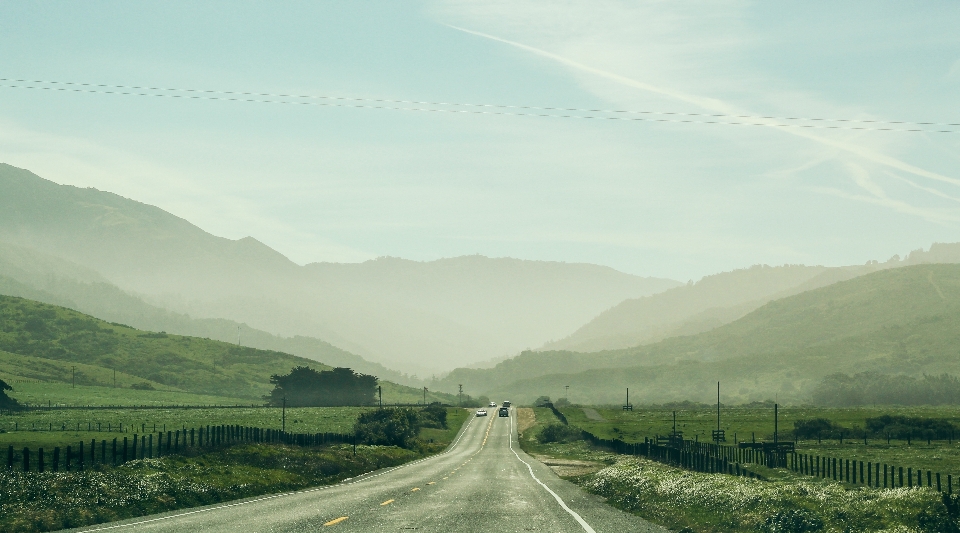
482,483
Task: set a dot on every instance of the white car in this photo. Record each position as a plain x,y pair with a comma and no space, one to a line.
481,412
492,404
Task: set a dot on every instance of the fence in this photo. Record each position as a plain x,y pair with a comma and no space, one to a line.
723,459
142,446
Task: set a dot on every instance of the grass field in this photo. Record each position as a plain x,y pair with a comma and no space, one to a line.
44,394
49,501
690,501
59,427
743,424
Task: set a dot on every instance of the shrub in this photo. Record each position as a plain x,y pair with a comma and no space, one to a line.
388,427
559,433
433,416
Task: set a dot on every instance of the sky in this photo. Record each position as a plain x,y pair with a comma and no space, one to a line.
345,184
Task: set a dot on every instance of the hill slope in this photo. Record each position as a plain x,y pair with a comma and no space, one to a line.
435,315
720,299
47,340
904,320
38,276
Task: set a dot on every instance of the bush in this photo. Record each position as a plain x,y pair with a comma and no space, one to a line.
817,427
559,433
388,427
433,416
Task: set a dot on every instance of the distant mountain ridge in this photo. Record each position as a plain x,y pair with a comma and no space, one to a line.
720,299
893,321
415,316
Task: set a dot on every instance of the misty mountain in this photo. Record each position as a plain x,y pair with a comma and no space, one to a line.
720,299
412,316
895,321
50,343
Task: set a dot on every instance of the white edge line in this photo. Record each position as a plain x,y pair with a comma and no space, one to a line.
350,481
583,523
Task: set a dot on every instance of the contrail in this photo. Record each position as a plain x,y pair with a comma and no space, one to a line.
718,106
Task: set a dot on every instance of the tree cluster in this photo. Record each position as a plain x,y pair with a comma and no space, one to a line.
893,426
306,387
398,426
873,388
7,403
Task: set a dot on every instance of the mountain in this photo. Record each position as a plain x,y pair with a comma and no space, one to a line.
894,321
30,274
48,340
720,299
412,316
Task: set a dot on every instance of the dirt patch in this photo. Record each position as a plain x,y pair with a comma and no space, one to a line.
570,467
526,419
592,414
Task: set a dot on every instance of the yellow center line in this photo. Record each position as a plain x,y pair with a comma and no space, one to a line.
444,478
431,483
414,489
335,521
388,502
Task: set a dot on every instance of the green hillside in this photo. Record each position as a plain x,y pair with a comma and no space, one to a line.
418,317
37,276
904,320
43,342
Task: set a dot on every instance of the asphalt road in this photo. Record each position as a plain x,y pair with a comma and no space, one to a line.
482,483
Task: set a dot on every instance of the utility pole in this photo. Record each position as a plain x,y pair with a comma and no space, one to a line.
718,409
74,382
565,393
283,423
776,421
461,394
114,378
238,335
380,393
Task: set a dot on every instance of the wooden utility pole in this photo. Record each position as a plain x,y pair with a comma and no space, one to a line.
283,416
461,394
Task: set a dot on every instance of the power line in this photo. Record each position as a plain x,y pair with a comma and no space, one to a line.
486,109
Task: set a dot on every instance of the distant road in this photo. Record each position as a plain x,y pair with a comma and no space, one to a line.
483,483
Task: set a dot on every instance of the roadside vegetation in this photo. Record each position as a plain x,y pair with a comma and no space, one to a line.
941,454
783,502
50,501
199,476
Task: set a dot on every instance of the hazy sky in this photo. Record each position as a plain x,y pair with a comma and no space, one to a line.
345,184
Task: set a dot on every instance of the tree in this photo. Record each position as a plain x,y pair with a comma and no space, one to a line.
388,427
7,402
306,387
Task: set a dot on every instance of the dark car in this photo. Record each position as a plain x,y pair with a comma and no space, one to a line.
504,411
